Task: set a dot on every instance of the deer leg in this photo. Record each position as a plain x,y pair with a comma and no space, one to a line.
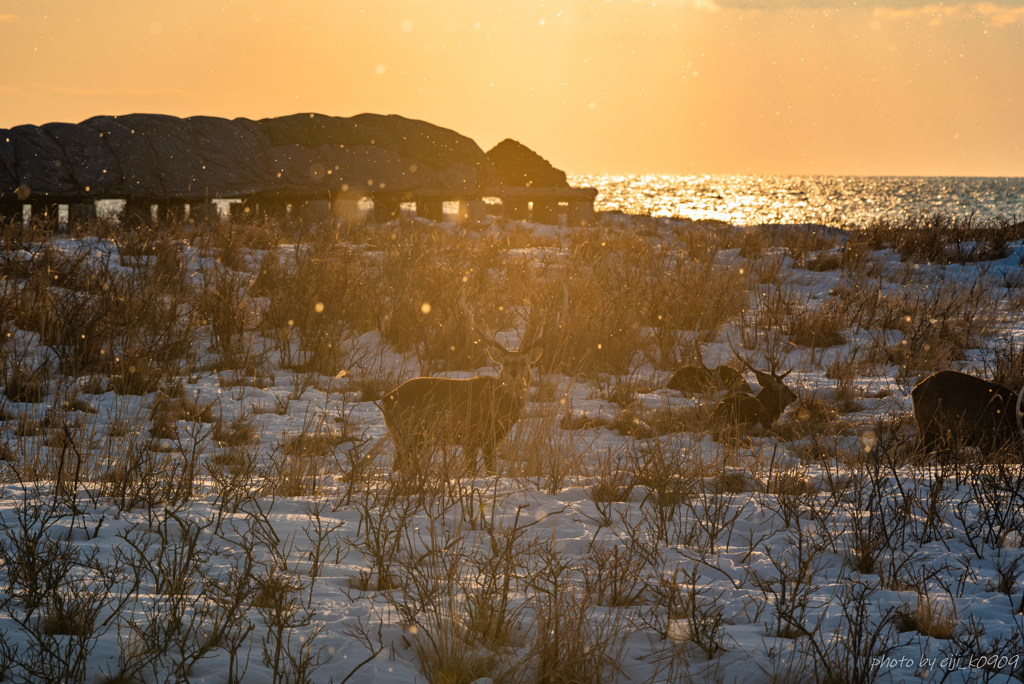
927,434
403,459
490,460
469,456
407,453
926,442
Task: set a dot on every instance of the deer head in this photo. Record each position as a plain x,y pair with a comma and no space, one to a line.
514,365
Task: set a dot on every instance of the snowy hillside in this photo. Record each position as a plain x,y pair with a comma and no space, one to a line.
197,481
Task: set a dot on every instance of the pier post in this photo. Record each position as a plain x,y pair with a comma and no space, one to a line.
386,208
472,210
242,211
316,211
203,213
81,214
581,213
170,212
545,211
12,211
431,208
272,209
345,209
137,213
45,210
516,208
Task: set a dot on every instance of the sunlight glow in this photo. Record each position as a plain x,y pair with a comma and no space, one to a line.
653,86
995,15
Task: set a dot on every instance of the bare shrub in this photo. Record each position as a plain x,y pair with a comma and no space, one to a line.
825,261
690,614
691,293
614,575
1009,364
225,305
802,241
755,241
788,583
604,327
434,608
311,293
936,324
820,326
612,482
299,467
943,238
419,268
138,373
23,385
566,642
930,617
766,268
542,454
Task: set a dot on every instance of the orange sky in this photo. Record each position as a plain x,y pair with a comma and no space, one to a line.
618,86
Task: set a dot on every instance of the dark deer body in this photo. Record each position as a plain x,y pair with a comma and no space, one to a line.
474,414
700,379
763,409
967,410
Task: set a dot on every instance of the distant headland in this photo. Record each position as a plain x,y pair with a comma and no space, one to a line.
307,160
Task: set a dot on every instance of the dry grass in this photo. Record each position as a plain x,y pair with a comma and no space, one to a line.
475,568
930,617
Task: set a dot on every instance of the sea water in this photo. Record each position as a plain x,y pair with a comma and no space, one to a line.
842,201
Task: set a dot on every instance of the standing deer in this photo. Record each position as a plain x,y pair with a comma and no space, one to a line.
967,410
474,413
742,409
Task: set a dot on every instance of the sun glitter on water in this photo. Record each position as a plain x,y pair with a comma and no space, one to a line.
832,200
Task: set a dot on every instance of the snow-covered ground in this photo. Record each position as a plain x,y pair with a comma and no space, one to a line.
242,522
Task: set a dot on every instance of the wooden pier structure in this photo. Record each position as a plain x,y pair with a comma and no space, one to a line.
539,205
302,167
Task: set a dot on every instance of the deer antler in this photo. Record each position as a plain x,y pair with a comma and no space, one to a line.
565,305
484,331
738,355
528,342
698,352
772,372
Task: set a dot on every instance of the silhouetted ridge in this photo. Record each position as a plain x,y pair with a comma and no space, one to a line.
159,157
520,166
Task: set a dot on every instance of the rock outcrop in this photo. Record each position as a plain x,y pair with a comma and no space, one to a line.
519,166
157,157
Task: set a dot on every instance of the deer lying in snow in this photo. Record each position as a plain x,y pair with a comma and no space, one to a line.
758,412
968,411
474,414
700,379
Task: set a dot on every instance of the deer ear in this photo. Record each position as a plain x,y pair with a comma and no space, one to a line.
495,355
534,354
